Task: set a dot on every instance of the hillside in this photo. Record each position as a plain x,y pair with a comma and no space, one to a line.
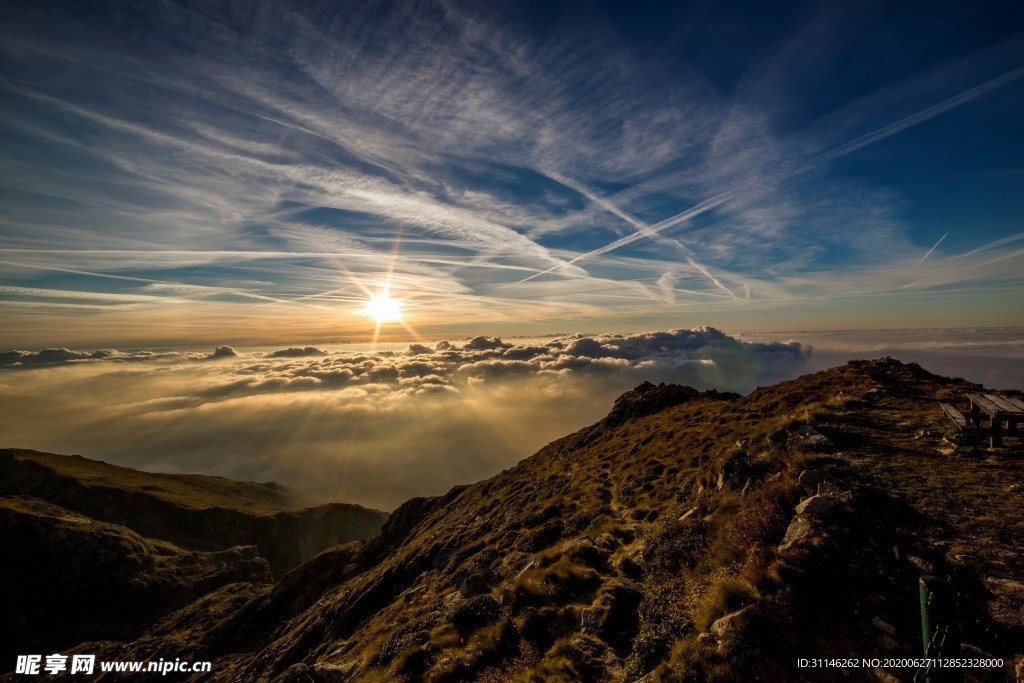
686,537
189,510
65,578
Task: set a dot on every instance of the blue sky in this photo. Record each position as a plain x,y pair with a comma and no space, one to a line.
252,172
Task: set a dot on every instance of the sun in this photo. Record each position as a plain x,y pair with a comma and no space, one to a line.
382,308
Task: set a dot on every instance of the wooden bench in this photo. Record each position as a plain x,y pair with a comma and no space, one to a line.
956,416
999,409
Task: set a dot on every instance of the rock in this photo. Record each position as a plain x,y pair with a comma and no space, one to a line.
721,480
888,643
883,626
686,515
798,530
612,664
883,676
589,624
809,480
474,584
742,443
812,437
924,565
507,595
442,558
297,673
413,593
705,638
815,506
730,622
827,488
331,673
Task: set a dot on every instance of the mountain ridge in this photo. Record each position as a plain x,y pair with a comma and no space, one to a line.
688,537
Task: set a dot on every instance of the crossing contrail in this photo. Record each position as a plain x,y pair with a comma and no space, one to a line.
644,230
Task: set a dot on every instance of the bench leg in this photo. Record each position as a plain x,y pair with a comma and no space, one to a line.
996,434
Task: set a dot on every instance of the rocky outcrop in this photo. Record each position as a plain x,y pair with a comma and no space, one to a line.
65,578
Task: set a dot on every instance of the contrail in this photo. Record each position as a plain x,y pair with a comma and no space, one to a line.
830,155
931,250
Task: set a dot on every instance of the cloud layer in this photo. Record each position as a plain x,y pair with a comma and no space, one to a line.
369,426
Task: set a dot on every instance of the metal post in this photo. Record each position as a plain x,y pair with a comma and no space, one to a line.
940,630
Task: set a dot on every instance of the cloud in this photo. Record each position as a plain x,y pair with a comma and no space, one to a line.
223,352
58,356
296,352
374,427
259,175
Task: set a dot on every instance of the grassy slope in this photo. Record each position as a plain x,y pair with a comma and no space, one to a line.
593,575
192,511
194,491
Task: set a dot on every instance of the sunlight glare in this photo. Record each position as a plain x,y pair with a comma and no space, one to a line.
382,308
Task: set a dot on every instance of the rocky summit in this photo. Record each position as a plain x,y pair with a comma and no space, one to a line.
687,537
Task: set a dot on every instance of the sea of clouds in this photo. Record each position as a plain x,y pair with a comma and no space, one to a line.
368,425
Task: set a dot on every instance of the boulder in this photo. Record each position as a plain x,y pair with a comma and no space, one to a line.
827,488
730,622
816,506
883,626
809,480
888,643
921,564
442,558
799,529
812,437
474,584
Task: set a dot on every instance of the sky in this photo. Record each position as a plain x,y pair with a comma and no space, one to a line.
181,173
374,250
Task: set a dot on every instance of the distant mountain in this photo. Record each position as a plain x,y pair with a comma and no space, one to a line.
190,510
688,537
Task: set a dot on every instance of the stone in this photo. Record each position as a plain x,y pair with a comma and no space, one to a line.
883,626
721,480
799,529
413,593
924,565
812,437
809,480
589,623
827,488
686,515
705,638
883,676
730,622
507,595
815,506
474,584
888,643
442,558
344,673
742,443
297,673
